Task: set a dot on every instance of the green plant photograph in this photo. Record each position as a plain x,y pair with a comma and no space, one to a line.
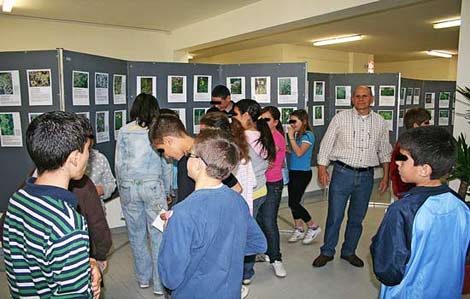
198,114
39,78
444,96
260,86
202,84
101,81
318,112
6,83
341,92
177,85
117,120
236,86
100,126
80,80
146,85
117,85
285,87
6,124
387,115
387,91
319,88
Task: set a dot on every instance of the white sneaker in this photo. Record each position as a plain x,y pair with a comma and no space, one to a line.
278,268
144,285
297,235
159,293
246,281
311,235
244,292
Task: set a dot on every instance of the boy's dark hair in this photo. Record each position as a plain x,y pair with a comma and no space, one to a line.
166,125
266,137
144,109
430,145
220,91
217,151
416,116
53,136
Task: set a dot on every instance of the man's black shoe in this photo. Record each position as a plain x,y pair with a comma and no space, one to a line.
321,260
353,260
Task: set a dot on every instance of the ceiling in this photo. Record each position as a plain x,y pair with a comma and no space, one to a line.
158,15
396,34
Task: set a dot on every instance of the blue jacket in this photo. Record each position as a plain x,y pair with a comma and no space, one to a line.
201,254
419,250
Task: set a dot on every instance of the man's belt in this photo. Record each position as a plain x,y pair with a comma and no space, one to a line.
359,169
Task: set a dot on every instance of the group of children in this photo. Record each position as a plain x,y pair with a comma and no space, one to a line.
229,189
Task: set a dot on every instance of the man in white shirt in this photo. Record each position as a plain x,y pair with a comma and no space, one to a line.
356,141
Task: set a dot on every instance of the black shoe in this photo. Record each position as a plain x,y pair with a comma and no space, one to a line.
321,260
353,260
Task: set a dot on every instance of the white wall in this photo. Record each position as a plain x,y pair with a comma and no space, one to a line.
20,34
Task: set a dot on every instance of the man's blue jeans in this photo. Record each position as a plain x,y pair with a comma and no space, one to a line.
267,219
356,186
141,202
249,263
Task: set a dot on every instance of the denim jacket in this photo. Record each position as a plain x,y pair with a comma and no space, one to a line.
137,160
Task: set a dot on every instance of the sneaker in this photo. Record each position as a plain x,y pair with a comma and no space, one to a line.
144,285
297,235
311,235
278,268
159,293
246,281
244,292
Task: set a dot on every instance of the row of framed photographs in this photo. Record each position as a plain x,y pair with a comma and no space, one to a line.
39,87
287,92
11,132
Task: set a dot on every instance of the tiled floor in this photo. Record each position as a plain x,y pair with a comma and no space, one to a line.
338,279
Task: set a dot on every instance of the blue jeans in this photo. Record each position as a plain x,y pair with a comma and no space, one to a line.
141,201
249,263
356,186
267,219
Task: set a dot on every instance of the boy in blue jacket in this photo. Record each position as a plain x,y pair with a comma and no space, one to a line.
419,249
209,233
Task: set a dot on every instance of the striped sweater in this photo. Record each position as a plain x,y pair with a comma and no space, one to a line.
46,244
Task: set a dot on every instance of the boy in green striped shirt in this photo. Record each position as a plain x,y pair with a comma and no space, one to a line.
45,241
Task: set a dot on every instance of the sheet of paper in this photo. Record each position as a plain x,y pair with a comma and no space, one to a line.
81,90
40,87
10,93
158,223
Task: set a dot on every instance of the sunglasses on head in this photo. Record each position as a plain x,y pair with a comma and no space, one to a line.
401,157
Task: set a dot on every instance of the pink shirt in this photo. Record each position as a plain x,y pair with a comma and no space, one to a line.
274,174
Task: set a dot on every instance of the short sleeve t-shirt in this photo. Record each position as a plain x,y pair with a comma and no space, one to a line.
302,162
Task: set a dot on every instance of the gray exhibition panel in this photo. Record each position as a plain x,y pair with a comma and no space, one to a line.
438,87
15,162
273,70
319,131
164,69
74,61
376,80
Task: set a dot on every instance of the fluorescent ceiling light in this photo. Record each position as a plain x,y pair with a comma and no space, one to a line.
337,40
7,5
446,24
439,53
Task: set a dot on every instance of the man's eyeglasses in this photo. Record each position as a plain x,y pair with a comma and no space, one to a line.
191,155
